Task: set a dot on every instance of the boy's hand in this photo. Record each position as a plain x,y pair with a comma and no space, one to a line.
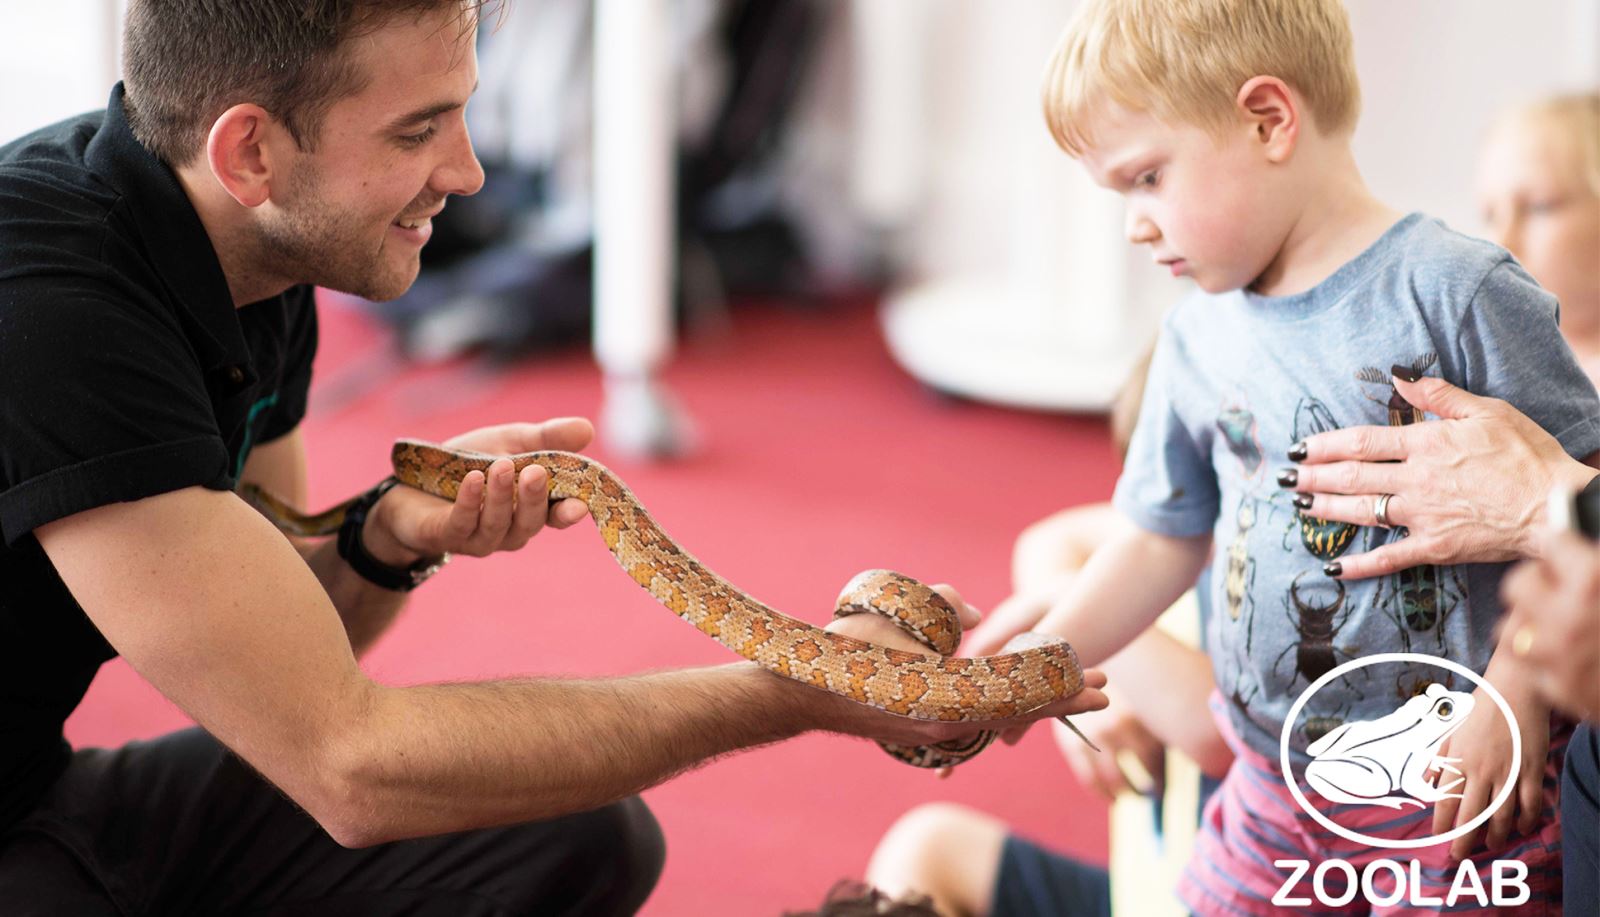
1017,614
1484,746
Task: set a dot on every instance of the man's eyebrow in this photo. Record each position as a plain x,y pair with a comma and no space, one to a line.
425,114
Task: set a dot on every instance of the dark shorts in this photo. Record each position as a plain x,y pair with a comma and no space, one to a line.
180,826
1033,882
1580,824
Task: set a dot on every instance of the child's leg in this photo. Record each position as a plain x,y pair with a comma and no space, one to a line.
970,864
948,852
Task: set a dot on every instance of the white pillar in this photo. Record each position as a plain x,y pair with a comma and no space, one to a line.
634,239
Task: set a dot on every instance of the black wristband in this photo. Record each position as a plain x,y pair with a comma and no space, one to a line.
369,568
1586,507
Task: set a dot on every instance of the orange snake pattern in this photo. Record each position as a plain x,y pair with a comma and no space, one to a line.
937,688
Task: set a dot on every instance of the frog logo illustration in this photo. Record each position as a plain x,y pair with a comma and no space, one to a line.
1387,761
1392,761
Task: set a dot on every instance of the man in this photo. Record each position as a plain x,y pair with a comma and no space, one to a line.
156,334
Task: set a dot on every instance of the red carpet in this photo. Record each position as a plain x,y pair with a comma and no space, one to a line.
818,459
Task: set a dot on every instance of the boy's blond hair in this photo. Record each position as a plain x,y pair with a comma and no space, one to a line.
1574,119
1183,61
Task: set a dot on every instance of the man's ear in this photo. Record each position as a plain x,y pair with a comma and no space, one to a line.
1273,113
240,155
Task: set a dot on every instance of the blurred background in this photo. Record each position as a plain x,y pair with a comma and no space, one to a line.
836,302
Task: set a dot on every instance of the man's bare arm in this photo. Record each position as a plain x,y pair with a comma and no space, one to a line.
215,609
279,467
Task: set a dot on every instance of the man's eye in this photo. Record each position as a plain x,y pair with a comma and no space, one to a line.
418,139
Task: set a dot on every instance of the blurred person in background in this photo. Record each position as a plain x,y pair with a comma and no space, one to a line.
1538,188
157,330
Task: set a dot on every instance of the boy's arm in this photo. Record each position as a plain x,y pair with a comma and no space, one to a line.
1123,589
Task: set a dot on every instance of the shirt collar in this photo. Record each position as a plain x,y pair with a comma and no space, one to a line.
174,238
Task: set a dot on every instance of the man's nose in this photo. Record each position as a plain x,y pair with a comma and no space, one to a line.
461,173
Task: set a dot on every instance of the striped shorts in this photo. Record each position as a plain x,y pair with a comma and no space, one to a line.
1253,820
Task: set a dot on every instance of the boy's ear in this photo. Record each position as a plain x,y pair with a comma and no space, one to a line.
240,155
1273,114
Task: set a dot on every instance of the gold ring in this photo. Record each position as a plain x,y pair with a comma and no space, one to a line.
1522,640
1380,510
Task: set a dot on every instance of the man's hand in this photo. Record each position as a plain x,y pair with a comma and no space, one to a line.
499,511
1484,747
859,720
1553,624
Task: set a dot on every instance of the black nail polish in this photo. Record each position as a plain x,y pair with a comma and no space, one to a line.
1287,477
1302,501
1404,372
1297,452
1332,568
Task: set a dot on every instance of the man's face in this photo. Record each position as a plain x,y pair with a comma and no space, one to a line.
354,215
1201,202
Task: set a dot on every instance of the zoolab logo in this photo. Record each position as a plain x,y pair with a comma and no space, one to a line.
1395,762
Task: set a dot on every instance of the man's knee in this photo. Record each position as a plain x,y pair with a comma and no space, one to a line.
641,849
624,844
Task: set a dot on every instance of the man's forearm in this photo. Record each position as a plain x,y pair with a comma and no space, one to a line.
438,758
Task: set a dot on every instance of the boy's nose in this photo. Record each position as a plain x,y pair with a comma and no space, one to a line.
1139,229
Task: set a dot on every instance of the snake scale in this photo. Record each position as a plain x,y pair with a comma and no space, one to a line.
1035,671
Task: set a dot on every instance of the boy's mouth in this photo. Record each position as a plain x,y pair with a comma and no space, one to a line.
1178,266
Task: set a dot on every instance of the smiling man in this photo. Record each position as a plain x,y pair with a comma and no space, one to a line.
156,339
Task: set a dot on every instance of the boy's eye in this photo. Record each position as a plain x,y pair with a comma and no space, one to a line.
1147,179
417,139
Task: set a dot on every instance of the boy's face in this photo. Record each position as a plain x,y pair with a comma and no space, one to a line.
1206,205
354,215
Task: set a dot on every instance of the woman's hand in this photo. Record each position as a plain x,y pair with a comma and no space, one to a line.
498,511
1483,747
1470,487
1552,624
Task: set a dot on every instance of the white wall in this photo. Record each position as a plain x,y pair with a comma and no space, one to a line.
1432,72
56,59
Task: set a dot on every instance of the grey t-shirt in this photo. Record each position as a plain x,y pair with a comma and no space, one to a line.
1238,378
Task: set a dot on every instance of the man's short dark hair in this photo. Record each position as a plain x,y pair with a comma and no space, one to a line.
185,62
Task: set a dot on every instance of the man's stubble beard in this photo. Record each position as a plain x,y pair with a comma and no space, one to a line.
318,243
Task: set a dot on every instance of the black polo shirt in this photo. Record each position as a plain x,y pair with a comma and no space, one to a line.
125,371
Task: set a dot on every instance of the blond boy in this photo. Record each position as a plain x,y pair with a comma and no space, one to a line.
1226,125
